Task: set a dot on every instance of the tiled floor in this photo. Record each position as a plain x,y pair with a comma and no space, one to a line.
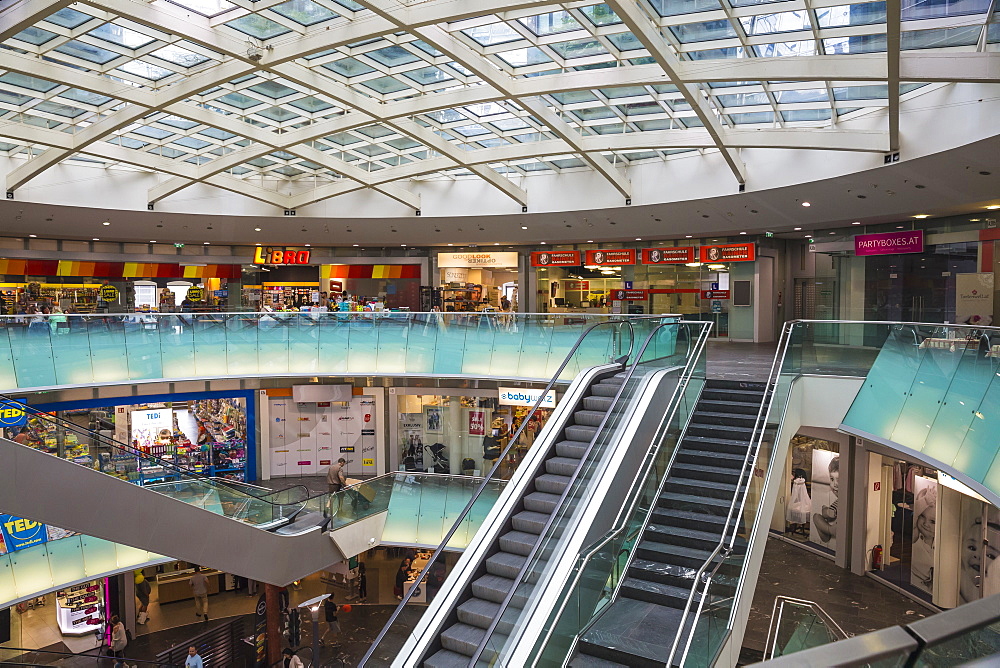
739,361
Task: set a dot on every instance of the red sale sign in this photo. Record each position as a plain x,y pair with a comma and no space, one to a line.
477,423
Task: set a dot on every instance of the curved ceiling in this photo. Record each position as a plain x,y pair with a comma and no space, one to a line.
295,102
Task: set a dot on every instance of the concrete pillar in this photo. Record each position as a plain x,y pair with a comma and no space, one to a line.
272,595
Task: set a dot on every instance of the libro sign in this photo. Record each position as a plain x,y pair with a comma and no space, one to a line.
889,243
556,259
519,396
271,255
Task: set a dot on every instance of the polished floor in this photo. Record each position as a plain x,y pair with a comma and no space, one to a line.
739,361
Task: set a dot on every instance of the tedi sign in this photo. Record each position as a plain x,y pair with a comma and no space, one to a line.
271,255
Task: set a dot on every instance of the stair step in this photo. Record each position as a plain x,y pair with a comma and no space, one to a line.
746,385
541,502
716,442
744,407
695,483
705,504
677,555
726,418
530,522
462,639
518,542
695,538
563,466
706,471
505,564
655,592
551,483
688,519
681,577
491,588
728,460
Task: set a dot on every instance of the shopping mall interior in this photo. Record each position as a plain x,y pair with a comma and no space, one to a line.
499,333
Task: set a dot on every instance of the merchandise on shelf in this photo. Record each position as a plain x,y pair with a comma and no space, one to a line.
79,609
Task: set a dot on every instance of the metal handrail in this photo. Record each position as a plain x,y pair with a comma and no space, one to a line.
637,482
496,466
778,609
562,498
87,654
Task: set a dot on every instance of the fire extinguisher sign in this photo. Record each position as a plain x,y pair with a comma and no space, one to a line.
877,486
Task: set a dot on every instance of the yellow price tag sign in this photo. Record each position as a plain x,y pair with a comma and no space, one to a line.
368,462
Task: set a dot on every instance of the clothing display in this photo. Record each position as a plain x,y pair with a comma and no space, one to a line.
799,505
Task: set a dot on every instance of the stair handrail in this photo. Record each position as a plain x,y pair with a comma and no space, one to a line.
726,541
481,647
621,522
778,609
123,448
617,324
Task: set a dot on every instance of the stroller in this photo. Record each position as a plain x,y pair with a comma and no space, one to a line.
438,458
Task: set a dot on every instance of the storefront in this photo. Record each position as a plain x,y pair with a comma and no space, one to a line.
474,281
463,432
88,287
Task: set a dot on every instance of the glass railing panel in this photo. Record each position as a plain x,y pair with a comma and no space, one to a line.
393,344
974,643
7,376
31,352
979,455
303,344
957,413
930,383
65,557
480,335
334,342
241,345
177,346
144,355
272,342
362,346
71,352
535,352
210,349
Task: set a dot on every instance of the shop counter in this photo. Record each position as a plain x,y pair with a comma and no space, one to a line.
176,586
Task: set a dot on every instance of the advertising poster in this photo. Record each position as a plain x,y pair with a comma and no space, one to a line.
411,429
974,299
20,533
979,568
477,423
432,420
150,426
825,493
924,520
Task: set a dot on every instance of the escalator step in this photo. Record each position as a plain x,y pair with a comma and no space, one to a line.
505,564
595,403
580,432
589,418
605,390
478,612
530,522
445,658
518,542
541,502
563,466
492,588
573,449
551,483
462,638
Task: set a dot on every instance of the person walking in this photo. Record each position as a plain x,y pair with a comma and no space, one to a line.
193,660
332,625
142,592
362,583
119,640
199,587
335,480
290,659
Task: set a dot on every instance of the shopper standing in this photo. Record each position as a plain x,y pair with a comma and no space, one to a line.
401,576
199,587
290,659
193,660
362,583
335,480
332,625
119,640
142,592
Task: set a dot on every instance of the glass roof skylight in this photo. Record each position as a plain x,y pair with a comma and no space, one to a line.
327,89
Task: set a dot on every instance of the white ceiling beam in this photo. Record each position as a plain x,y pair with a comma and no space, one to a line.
21,14
649,34
893,22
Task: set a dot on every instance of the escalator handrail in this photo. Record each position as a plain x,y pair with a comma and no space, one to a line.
621,521
489,476
566,490
85,654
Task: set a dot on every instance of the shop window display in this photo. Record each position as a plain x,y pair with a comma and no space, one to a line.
812,514
462,435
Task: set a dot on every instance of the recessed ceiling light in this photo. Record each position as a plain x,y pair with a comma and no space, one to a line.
742,232
448,244
899,227
256,229
33,235
808,236
206,243
993,207
922,215
259,244
543,243
105,223
832,232
354,245
152,241
638,238
687,236
403,245
797,229
95,239
590,241
496,243
856,222
806,204
524,227
308,245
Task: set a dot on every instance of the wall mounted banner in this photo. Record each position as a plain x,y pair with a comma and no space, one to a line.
477,423
973,301
484,259
519,396
671,255
634,295
12,414
889,243
715,294
612,256
556,259
729,253
19,533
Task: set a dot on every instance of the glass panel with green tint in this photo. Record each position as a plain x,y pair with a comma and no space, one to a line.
799,625
660,351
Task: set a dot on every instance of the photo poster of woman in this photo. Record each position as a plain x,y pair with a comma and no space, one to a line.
411,432
825,493
924,520
979,565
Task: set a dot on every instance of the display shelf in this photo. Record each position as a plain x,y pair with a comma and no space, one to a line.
79,609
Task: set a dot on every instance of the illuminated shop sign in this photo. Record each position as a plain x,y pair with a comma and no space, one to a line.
668,255
12,414
556,259
271,255
729,253
630,295
612,256
471,260
889,243
519,396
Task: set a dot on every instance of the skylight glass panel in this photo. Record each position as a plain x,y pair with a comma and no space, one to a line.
192,142
395,160
31,83
492,142
550,23
767,24
524,57
601,15
385,85
797,115
391,56
704,31
305,12
216,133
940,38
445,116
278,114
794,96
35,35
486,109
530,137
178,56
428,75
573,97
128,142
273,89
69,18
579,48
640,108
311,104
867,13
177,122
350,4
93,54
624,91
59,109
678,7
257,26
261,162
371,150
402,144
282,155
657,124
922,9
375,131
152,132
753,118
239,100
473,130
508,124
205,7
494,33
786,49
535,166
141,68
342,139
426,48
349,67
569,163
626,41
85,97
855,44
121,36
609,129
594,113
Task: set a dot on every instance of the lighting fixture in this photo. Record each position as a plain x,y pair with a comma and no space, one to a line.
448,244
33,236
543,243
524,227
497,243
590,241
692,264
256,229
206,243
716,266
687,236
256,244
95,239
742,232
922,215
403,245
797,229
152,241
806,204
356,245
856,222
638,238
993,207
105,223
899,227
308,245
